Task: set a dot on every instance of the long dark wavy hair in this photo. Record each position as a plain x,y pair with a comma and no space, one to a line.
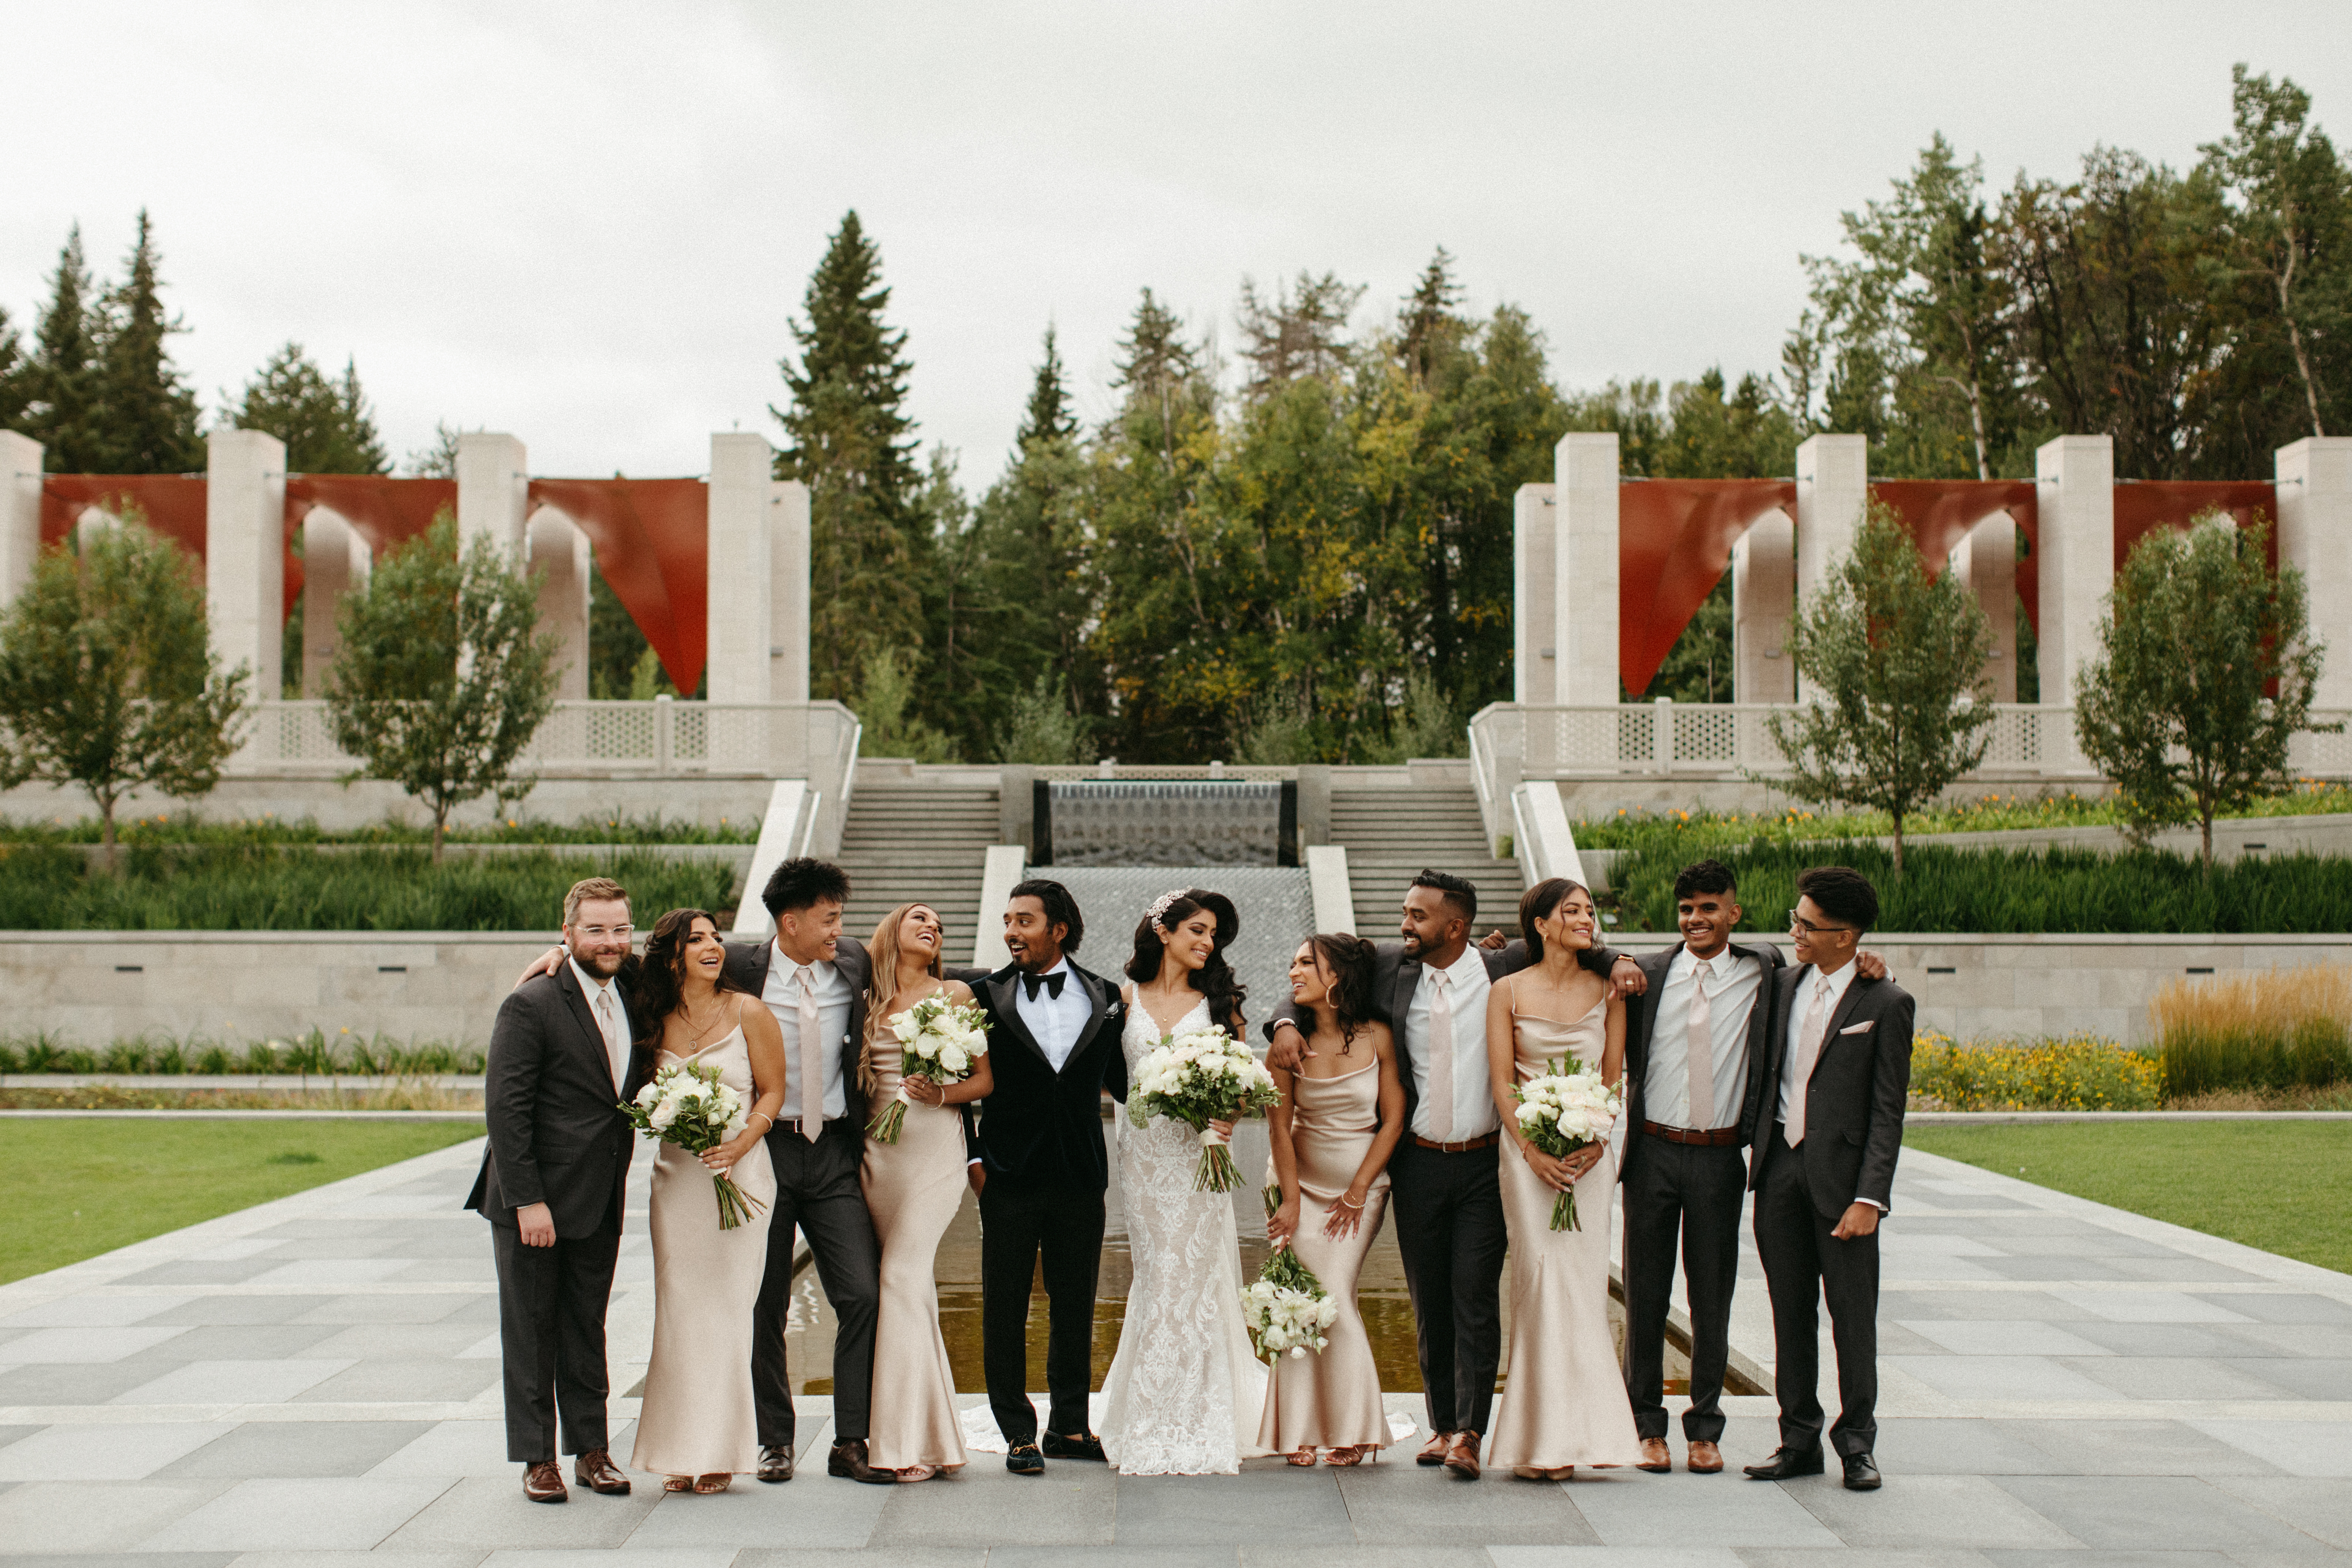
661,980
1538,903
1215,979
1348,961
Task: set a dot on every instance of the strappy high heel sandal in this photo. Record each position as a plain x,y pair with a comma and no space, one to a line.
713,1484
1344,1458
1303,1459
913,1473
678,1483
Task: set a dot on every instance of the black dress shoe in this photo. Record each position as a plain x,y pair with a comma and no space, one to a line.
776,1462
1786,1463
1023,1459
1076,1445
848,1462
1861,1473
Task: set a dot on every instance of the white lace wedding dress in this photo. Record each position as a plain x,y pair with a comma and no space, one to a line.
1184,1392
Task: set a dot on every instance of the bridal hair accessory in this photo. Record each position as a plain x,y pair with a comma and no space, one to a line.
1161,905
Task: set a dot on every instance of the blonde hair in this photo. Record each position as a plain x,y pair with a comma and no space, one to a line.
882,977
591,888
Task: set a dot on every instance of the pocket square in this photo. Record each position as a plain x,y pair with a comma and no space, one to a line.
1859,1028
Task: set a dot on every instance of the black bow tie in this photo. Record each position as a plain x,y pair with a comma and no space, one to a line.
1052,983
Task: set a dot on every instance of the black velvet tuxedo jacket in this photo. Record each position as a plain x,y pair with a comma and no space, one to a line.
1038,1126
556,1133
1642,1023
1854,1100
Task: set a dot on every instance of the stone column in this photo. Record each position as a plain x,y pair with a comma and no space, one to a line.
1585,578
560,550
788,596
20,512
1832,489
335,560
1985,560
2074,494
244,554
1534,659
742,513
493,494
2314,533
1763,598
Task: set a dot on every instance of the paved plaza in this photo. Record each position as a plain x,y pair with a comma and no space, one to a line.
315,1382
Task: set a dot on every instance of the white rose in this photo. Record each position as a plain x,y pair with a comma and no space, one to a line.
661,1116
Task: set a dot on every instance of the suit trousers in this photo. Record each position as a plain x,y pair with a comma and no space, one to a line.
1804,1265
1693,1192
817,1190
1026,1230
1449,1228
552,1303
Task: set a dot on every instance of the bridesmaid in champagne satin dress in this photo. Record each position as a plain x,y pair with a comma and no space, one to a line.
1340,1118
913,1188
696,1424
1563,1401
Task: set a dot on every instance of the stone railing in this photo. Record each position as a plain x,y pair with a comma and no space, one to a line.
663,737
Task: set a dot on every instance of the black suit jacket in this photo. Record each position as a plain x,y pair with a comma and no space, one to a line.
1854,1100
1642,1023
1039,1126
557,1132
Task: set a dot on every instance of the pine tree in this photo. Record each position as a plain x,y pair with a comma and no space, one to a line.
326,425
16,376
1427,324
1048,416
147,416
850,444
63,374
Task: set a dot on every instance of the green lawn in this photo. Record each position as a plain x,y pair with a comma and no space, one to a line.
2278,1186
78,1188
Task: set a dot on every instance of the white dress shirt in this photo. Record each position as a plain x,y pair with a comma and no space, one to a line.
1731,995
1054,1022
1467,986
781,994
612,1015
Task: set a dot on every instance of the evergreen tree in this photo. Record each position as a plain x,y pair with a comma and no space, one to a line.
16,376
849,442
63,374
1428,325
147,416
1048,416
326,425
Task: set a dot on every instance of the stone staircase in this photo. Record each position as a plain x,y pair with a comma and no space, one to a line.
927,842
1391,834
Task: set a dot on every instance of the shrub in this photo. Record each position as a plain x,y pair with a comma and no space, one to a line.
2283,1029
2073,1072
216,1062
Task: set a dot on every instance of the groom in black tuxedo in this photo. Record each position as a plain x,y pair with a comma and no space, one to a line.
1038,1164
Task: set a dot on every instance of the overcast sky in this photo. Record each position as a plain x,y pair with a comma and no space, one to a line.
589,225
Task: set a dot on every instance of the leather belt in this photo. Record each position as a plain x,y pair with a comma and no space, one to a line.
1712,1138
1463,1147
792,1124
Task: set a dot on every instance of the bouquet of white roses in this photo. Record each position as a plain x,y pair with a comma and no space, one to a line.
1286,1308
938,1039
686,1105
1197,1077
1561,1111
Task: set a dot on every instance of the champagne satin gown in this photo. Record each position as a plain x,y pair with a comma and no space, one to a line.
697,1417
913,1188
1563,1400
1331,1398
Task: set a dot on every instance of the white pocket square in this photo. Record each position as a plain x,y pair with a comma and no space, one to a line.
1859,1028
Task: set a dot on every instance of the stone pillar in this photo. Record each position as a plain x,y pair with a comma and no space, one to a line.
245,555
1585,578
1534,659
560,550
743,509
335,560
493,494
1763,598
1986,561
1832,490
788,596
2074,494
2314,533
20,513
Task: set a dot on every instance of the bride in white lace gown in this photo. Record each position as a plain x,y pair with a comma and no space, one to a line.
1184,1392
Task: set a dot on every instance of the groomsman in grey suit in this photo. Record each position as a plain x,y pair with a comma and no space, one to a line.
1829,1128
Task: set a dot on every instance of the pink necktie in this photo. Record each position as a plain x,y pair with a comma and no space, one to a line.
812,1060
1809,1051
612,1036
1441,1057
1702,1052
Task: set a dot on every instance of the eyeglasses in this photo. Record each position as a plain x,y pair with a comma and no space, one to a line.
598,933
1804,927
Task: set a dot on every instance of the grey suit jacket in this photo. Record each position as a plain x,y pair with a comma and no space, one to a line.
1854,1098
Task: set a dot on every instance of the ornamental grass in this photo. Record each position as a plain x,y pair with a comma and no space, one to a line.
316,1054
2071,1072
2280,1030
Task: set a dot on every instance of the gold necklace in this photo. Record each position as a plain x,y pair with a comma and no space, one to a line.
693,1035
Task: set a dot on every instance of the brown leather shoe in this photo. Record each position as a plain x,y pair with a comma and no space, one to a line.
1433,1451
848,1462
1704,1458
1462,1458
775,1462
1655,1457
543,1482
594,1470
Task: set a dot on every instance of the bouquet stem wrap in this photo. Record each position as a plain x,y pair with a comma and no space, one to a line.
1197,1077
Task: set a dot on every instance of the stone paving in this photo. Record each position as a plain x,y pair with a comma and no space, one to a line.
314,1382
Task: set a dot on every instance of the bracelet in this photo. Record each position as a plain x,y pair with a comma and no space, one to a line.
766,1118
1342,1201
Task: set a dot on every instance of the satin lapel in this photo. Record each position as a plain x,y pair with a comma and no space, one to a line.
1840,1018
585,1016
1002,992
1096,1008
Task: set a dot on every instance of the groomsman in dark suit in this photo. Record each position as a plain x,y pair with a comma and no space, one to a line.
551,1186
1829,1128
1038,1164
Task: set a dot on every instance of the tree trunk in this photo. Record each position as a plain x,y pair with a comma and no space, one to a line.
2205,826
440,828
106,831
2294,336
1898,846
